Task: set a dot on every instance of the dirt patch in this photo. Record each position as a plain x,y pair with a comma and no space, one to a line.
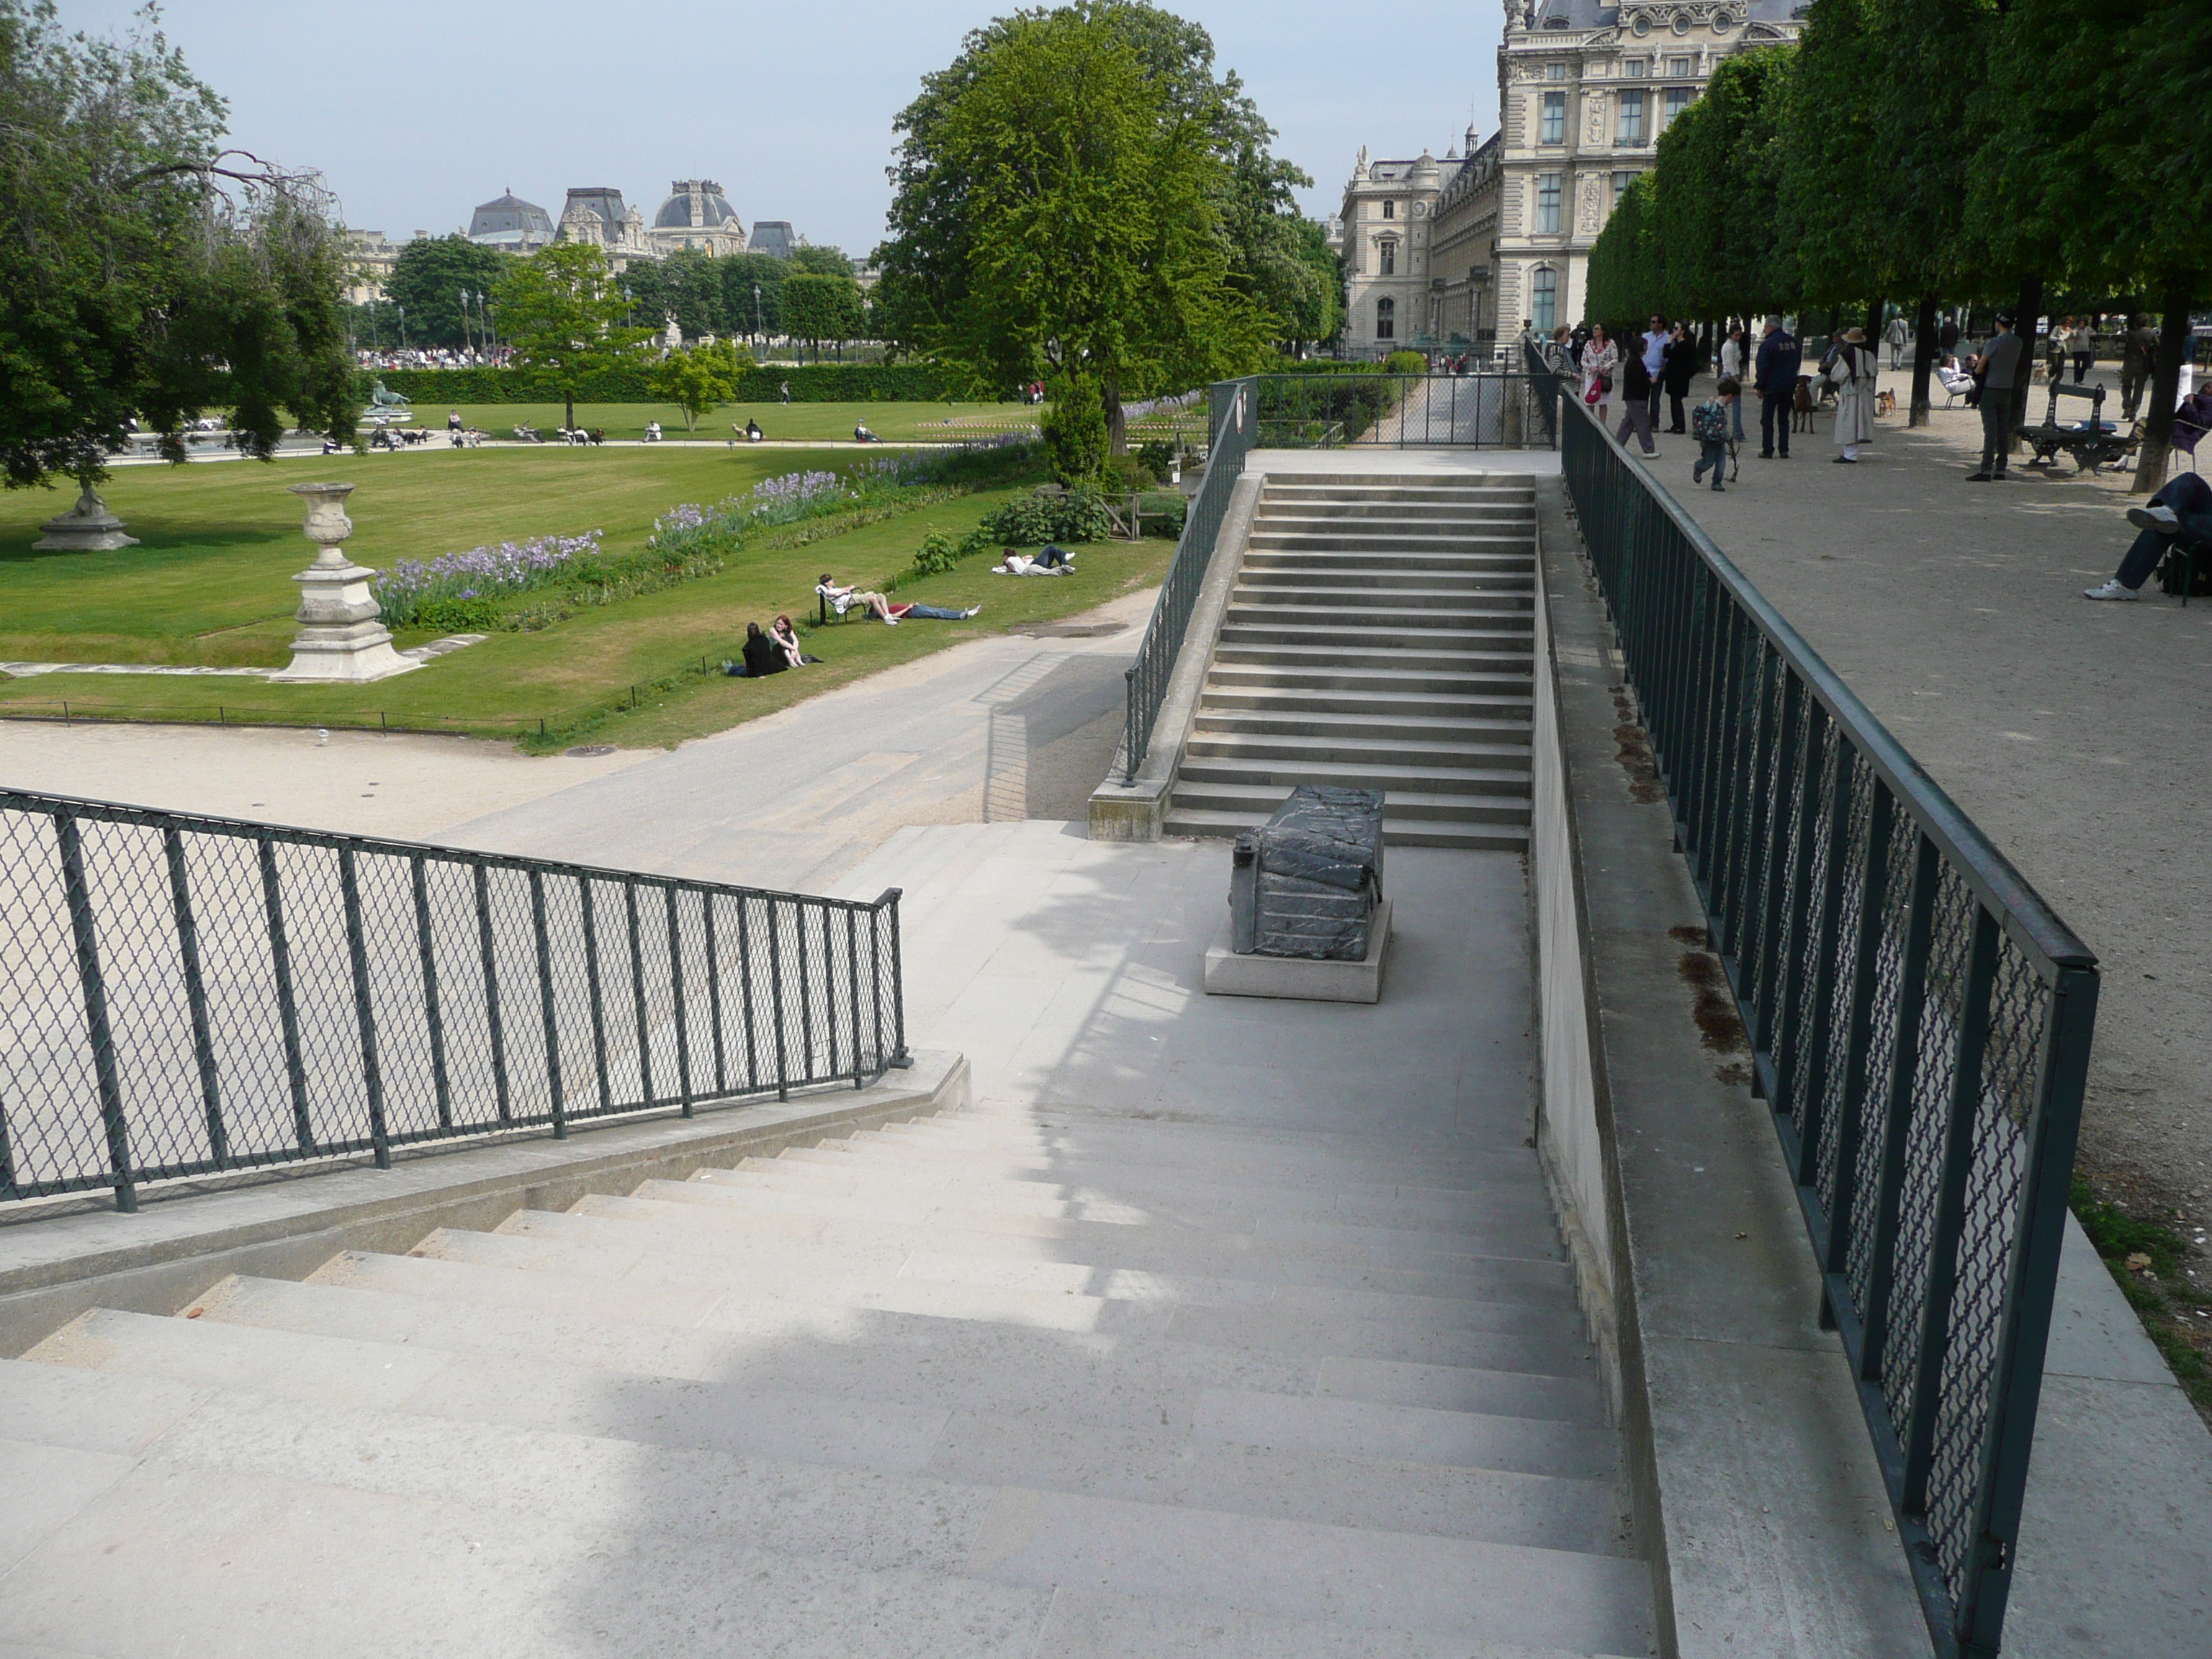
1634,752
1714,1011
2154,1245
1736,1074
1696,938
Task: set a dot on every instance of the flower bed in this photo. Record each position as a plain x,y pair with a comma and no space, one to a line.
428,592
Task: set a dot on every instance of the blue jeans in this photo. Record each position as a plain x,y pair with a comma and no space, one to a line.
2190,498
1713,453
931,613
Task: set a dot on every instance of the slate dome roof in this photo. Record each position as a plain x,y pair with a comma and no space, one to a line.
675,212
509,213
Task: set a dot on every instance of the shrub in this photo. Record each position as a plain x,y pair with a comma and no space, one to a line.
1080,515
1158,457
1405,362
1163,512
457,615
1074,428
1128,472
937,555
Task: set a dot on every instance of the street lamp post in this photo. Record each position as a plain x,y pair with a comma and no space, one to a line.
759,334
468,341
402,310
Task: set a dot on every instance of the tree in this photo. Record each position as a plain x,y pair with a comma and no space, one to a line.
428,277
745,312
818,308
146,271
699,380
821,261
687,286
1075,432
1059,206
1314,311
563,311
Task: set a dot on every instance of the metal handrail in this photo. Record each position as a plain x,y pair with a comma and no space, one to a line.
1229,419
1489,409
1920,1023
184,995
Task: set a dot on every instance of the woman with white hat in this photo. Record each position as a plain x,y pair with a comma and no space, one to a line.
1852,371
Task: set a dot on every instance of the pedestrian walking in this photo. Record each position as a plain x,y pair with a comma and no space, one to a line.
1775,375
1709,423
1601,361
2137,347
1654,348
2081,347
1897,334
1852,371
2000,365
1681,367
2054,350
1947,336
1732,366
1635,404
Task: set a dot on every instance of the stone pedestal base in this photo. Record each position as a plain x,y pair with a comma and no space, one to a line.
340,640
88,527
1298,978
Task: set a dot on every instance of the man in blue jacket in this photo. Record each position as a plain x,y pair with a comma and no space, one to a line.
1775,375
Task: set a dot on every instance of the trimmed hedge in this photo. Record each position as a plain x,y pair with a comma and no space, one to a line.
823,383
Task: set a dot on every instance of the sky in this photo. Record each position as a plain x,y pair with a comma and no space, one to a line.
415,111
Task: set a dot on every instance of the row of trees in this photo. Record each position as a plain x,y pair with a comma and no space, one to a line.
1080,199
2045,155
812,296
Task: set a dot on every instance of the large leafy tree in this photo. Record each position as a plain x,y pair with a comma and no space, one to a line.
687,285
818,306
699,380
145,271
745,310
821,261
1060,207
563,311
428,278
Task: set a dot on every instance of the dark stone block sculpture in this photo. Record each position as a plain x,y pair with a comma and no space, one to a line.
1308,881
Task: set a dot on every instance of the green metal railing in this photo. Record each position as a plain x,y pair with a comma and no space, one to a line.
1920,1023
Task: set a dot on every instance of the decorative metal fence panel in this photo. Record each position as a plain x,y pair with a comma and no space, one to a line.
1228,417
187,996
1488,410
1920,1023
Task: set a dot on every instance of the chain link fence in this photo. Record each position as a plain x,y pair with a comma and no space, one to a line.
190,996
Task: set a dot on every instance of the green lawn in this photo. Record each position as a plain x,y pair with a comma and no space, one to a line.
210,585
782,422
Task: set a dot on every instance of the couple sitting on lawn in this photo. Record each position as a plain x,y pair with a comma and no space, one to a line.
843,599
770,652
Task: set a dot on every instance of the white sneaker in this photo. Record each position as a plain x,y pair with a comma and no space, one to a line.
2110,590
2159,518
890,621
972,610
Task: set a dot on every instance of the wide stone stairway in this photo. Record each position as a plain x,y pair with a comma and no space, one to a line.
1256,1349
1379,636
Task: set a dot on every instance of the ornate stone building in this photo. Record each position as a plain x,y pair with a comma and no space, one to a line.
369,256
1387,210
1461,308
697,214
512,223
1585,88
595,214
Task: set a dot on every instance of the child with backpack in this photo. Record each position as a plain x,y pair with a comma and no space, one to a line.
1709,423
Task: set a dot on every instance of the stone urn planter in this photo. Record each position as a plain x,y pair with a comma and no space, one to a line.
340,640
88,527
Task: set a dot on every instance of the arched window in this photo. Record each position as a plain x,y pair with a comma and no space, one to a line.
1544,299
1386,319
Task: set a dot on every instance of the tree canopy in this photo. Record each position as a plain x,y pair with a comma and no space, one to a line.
563,310
1068,193
819,306
428,277
147,272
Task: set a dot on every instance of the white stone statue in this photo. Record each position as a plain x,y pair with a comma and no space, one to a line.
340,640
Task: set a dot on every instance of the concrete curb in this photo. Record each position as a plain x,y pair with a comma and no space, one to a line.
1136,811
53,1267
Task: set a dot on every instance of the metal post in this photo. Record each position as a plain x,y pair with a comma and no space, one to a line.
745,991
547,1011
93,987
597,997
1782,914
188,954
637,995
898,980
715,992
776,994
364,1007
676,989
1821,954
493,1023
806,990
853,964
1851,1100
433,1012
288,1007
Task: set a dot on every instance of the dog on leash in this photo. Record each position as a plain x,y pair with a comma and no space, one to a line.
1885,402
1800,405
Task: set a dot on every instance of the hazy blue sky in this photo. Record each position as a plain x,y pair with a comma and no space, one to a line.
417,110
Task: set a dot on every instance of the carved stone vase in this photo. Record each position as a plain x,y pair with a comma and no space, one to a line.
340,640
88,527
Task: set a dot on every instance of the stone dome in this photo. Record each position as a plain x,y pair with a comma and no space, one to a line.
507,218
695,202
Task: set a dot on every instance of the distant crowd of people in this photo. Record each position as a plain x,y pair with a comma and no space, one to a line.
435,357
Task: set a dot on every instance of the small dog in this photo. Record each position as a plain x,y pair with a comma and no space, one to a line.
1800,405
1885,402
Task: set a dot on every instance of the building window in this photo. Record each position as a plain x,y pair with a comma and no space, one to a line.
1553,129
1620,184
1679,69
1677,100
1634,67
1555,71
1631,129
1386,257
1543,301
1386,319
1547,203
1389,209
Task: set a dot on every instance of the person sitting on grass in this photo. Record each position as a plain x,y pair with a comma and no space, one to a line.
2182,509
862,435
753,433
1710,424
764,656
652,432
786,639
1047,561
843,599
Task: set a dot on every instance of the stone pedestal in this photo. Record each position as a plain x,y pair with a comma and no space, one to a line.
340,640
88,527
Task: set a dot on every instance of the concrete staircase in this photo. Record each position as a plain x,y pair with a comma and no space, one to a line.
1019,1381
1379,636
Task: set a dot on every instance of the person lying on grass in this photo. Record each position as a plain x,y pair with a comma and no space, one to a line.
1049,561
843,599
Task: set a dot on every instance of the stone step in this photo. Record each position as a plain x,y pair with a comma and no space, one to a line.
1209,823
1255,582
1496,591
1257,750
1395,776
1401,806
1499,631
1292,703
1356,536
1389,564
1485,610
1351,728
1375,678
1276,504
1503,657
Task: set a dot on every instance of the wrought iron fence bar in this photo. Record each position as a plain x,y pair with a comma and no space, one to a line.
676,994
495,1021
1819,953
637,992
287,1006
364,1007
853,964
891,901
1858,1027
188,962
775,985
1780,913
595,992
715,992
93,987
549,1010
434,1020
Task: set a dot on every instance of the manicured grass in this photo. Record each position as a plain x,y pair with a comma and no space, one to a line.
211,585
779,423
